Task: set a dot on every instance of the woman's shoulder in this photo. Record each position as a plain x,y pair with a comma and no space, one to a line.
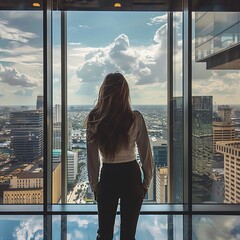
137,114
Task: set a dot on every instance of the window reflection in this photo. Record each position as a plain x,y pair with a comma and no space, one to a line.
215,115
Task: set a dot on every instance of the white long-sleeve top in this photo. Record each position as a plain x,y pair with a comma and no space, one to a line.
137,136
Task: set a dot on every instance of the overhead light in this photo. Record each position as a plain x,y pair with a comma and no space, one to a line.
36,4
117,5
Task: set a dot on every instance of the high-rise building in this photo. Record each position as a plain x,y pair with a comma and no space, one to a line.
39,104
177,154
161,184
224,112
231,151
222,131
27,135
56,182
72,163
216,42
57,136
202,154
159,148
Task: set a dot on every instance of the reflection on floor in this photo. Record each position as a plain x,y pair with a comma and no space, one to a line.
150,227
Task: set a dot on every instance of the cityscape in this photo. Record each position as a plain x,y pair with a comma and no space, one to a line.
215,155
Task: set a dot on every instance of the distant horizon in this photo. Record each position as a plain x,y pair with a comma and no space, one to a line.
71,105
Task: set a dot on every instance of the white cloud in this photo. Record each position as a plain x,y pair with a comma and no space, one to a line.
13,77
83,26
30,229
14,34
74,43
158,19
24,92
25,14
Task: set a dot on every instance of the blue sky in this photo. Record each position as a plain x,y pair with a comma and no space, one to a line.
134,43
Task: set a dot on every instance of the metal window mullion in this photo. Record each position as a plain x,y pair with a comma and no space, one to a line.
170,118
170,106
64,123
47,121
187,115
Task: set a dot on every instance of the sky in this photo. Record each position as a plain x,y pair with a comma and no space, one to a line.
133,43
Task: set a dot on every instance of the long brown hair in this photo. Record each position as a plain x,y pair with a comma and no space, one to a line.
109,122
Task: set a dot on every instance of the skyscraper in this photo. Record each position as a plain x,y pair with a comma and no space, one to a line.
222,131
224,112
39,104
161,185
177,145
231,151
57,135
159,147
202,154
72,163
27,135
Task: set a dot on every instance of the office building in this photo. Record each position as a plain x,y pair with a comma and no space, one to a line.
222,131
72,163
224,112
26,135
231,151
161,184
177,154
217,41
57,136
56,182
202,154
159,149
25,188
39,104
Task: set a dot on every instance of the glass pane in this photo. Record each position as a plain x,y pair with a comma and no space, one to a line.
134,43
21,227
56,151
216,227
21,107
149,227
56,227
216,104
177,141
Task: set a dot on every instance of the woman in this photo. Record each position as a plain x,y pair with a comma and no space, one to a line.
113,129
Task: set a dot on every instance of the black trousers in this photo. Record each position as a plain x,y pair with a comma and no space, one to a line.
119,181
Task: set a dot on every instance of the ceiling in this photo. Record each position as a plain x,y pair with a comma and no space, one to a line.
126,5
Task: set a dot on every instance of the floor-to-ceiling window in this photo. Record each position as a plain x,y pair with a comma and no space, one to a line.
215,107
21,107
133,43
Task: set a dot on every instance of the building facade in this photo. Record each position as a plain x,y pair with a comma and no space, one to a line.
202,154
222,131
27,135
162,185
57,135
72,163
231,151
39,104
